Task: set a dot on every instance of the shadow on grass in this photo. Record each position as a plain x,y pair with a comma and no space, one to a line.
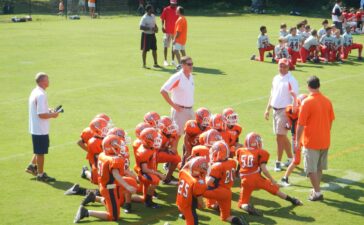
209,71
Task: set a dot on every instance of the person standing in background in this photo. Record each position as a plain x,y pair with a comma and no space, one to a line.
169,18
337,16
39,115
180,35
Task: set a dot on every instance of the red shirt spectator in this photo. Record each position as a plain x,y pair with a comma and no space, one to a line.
170,17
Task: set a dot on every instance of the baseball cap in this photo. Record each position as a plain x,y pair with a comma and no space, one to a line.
173,2
283,61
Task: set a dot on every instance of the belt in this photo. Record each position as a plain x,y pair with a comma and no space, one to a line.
276,109
184,107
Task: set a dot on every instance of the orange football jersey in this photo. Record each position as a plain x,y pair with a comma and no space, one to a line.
223,172
86,135
166,141
94,146
136,144
145,155
235,132
105,165
226,136
201,150
250,160
189,188
193,131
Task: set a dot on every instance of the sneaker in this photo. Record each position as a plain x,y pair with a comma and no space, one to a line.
165,63
127,208
83,172
284,182
73,190
82,212
173,63
31,169
278,168
146,67
156,66
90,197
313,197
252,58
296,202
45,178
269,55
251,210
287,163
239,220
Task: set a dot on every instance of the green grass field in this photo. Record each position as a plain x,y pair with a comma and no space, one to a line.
95,66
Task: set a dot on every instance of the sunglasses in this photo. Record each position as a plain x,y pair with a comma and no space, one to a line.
189,64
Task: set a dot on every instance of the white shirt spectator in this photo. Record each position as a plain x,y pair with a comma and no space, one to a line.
38,104
181,89
321,32
281,88
148,21
334,16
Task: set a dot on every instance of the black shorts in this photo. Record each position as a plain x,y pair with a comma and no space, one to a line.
148,42
40,144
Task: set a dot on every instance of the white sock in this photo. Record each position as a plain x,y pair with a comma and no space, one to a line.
40,174
318,193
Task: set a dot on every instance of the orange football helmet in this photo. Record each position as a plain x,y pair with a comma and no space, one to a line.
140,127
208,138
253,141
113,145
121,133
99,126
151,138
198,166
105,117
219,151
230,117
152,118
167,125
203,116
217,123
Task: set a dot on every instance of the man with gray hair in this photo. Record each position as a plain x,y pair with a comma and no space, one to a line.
39,115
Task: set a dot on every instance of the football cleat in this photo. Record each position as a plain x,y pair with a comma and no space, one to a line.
83,172
82,212
251,210
90,197
152,205
73,190
127,208
284,182
297,202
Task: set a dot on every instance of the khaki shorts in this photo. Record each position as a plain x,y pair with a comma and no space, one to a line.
314,160
181,118
178,47
279,122
167,39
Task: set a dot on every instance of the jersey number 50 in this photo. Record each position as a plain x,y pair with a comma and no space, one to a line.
183,188
246,161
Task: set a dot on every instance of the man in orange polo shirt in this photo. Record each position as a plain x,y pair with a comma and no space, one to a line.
92,6
180,35
314,126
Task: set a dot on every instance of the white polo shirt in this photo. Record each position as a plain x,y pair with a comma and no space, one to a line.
38,104
181,88
281,87
334,17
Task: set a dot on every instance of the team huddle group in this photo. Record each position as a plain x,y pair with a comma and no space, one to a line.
212,159
301,44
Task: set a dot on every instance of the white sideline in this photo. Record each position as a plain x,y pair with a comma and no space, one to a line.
101,84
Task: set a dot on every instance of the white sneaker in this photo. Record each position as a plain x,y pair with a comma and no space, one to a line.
165,63
286,164
278,168
173,63
284,182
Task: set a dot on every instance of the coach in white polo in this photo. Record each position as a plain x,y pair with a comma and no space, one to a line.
181,88
39,115
284,89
